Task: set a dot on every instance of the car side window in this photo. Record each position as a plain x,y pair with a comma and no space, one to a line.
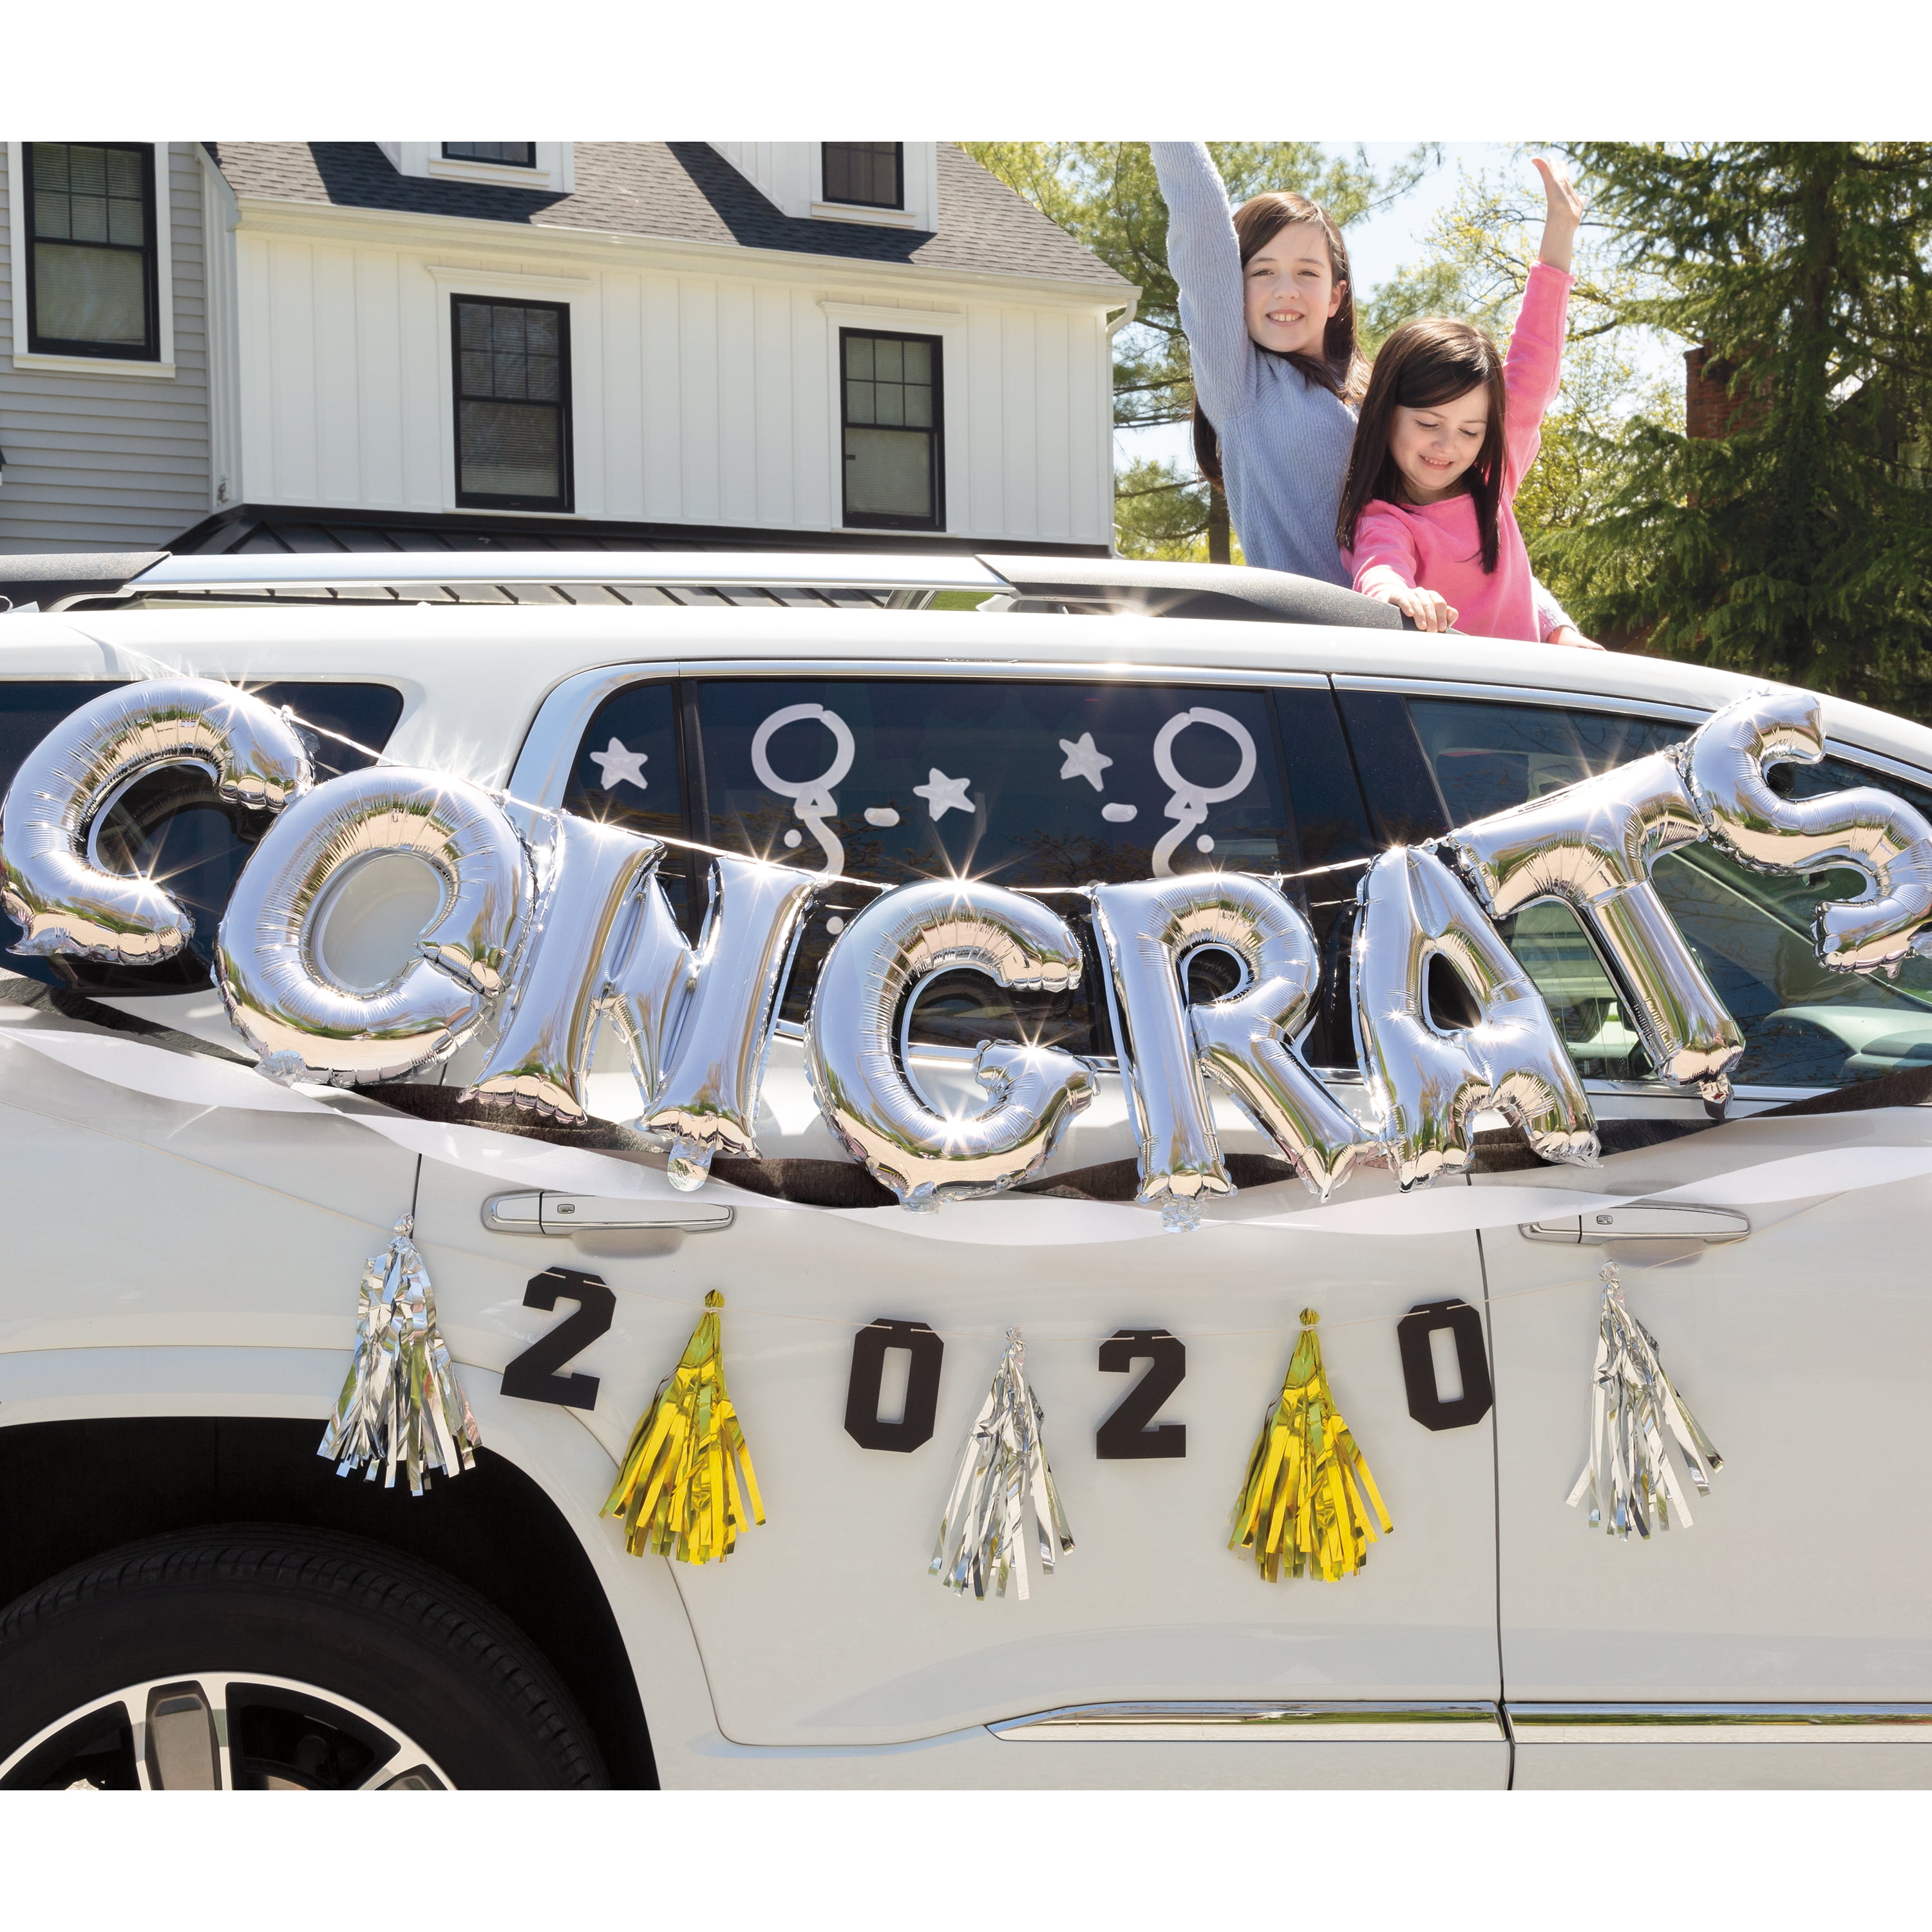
1027,782
628,772
171,825
1750,931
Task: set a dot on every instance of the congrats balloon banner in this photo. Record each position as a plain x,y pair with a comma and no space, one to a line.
552,925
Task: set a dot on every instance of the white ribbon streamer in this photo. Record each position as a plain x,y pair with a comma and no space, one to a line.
1005,1222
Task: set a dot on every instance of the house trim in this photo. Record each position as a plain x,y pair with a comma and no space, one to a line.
161,365
445,235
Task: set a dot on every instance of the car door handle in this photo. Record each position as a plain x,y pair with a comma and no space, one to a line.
549,1213
1640,1223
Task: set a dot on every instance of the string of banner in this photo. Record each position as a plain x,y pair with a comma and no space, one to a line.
553,925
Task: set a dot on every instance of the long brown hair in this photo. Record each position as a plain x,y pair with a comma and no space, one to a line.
1338,369
1422,366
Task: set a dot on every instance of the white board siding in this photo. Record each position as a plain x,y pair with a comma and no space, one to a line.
109,461
700,399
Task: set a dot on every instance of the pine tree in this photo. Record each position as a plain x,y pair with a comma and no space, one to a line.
1799,545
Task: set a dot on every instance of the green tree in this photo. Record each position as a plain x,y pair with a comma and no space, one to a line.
1798,545
1105,194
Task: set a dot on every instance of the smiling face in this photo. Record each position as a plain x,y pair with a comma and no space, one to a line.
1292,289
1434,448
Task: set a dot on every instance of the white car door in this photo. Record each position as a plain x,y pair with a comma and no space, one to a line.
1782,1638
825,1628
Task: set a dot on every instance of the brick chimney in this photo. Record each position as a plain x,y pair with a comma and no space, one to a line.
1711,412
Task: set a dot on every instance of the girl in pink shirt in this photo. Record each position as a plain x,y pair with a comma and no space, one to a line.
1448,430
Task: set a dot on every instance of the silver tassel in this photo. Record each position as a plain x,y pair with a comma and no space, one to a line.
1629,1475
401,1403
1002,1475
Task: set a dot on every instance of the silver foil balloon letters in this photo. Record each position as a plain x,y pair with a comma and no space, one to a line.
1591,846
1244,1041
280,993
51,880
1868,830
1428,1083
854,1052
699,1019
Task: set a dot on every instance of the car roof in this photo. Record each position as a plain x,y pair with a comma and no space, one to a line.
472,676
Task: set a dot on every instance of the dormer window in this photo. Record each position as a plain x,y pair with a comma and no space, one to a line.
864,174
501,153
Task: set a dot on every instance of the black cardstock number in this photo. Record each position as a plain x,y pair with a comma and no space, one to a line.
1126,1436
533,1375
868,1368
1418,1364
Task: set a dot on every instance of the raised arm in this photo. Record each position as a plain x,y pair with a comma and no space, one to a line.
1206,260
1533,371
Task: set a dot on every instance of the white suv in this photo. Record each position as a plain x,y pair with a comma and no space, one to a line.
197,1599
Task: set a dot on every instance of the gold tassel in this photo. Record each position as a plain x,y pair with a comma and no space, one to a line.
678,1489
1309,1492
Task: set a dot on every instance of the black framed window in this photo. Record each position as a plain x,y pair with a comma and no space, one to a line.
512,403
504,154
867,174
92,264
890,413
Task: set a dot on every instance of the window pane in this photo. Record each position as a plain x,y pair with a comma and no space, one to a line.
1556,953
865,172
888,403
90,294
971,776
859,356
123,173
859,403
506,377
127,228
510,153
473,322
890,358
88,214
50,166
50,215
544,375
918,404
475,373
918,361
1487,757
507,330
87,172
889,473
540,331
510,450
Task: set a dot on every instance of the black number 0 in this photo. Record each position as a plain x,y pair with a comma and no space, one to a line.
533,1374
1418,1364
866,1385
1125,1435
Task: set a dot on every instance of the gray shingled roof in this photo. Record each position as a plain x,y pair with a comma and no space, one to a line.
679,191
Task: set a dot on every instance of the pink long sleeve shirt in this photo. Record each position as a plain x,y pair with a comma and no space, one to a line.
1437,546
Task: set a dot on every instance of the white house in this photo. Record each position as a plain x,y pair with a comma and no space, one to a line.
271,345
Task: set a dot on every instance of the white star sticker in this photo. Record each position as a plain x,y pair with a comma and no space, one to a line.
1084,760
942,794
617,764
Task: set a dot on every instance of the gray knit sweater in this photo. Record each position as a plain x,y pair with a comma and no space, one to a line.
1284,440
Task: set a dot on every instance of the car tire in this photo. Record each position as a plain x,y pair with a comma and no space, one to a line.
373,1646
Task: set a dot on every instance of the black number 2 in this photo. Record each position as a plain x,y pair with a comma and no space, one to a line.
533,1375
1125,1435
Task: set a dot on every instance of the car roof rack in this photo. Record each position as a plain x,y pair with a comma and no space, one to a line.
1113,586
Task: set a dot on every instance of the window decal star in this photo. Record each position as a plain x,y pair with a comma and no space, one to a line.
1084,760
942,794
618,765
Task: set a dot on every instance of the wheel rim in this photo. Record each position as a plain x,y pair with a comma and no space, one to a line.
222,1730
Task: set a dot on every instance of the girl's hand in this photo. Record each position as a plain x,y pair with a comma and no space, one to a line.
1564,217
1568,633
1430,612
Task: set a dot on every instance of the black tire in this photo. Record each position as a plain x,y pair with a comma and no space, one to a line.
377,1628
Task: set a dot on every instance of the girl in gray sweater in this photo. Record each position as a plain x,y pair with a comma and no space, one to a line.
1269,312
